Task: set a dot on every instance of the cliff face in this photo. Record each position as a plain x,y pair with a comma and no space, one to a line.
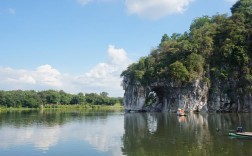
168,97
198,96
227,97
134,96
207,68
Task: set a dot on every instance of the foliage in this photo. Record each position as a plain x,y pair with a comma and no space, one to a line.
33,99
195,65
214,48
179,72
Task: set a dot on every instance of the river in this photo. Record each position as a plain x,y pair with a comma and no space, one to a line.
80,133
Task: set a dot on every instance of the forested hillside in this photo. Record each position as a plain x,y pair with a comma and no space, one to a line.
219,45
216,50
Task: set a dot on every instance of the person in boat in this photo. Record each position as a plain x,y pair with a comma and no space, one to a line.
239,130
180,112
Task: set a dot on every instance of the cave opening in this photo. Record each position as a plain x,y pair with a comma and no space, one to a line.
155,96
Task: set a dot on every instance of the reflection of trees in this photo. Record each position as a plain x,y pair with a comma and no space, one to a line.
47,117
221,124
230,121
163,134
198,132
195,134
33,129
140,139
135,133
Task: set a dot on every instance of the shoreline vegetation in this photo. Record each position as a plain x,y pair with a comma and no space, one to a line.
62,107
57,100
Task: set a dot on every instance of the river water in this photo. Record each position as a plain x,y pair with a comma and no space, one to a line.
77,133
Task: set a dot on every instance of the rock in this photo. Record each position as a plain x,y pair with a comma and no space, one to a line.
192,97
197,96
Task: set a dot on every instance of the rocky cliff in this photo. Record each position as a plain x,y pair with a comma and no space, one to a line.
197,96
207,68
161,96
229,97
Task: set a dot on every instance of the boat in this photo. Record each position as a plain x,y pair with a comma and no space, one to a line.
181,112
240,134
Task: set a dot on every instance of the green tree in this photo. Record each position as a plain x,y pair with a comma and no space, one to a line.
242,6
78,99
50,97
104,94
178,72
65,98
216,49
195,65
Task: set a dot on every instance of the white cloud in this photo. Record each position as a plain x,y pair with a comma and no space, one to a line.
43,76
118,57
151,9
155,9
23,79
106,76
48,76
102,77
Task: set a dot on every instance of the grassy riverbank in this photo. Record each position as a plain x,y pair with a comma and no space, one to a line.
116,107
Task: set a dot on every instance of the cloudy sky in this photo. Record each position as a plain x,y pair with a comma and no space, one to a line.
83,45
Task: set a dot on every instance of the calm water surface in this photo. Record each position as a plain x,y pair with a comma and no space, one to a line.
51,133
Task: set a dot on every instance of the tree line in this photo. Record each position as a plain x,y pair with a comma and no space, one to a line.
34,99
215,49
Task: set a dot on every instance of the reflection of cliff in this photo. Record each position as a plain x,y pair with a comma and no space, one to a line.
165,133
198,129
226,122
196,134
230,121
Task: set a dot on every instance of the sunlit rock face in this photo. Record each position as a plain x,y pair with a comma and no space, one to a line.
165,96
197,96
134,96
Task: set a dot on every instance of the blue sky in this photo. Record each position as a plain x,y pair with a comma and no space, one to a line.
83,45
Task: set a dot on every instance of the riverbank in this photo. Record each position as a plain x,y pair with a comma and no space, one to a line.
116,107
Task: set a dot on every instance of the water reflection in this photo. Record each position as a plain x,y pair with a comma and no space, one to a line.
152,123
195,134
115,134
45,131
40,138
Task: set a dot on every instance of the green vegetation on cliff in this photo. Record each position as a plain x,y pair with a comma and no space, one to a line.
214,48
